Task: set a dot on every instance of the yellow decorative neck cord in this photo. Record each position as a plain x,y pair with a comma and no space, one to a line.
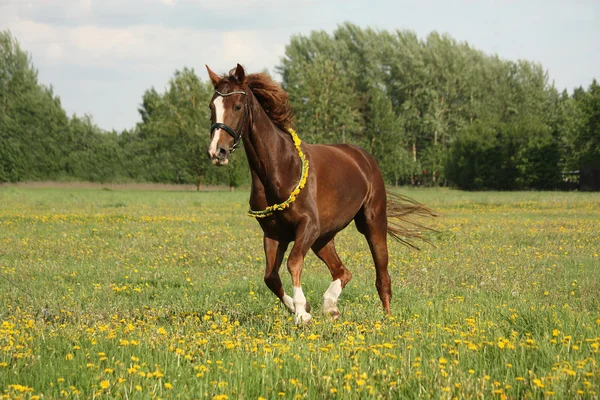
267,212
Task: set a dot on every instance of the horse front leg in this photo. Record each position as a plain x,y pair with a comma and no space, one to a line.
274,252
305,237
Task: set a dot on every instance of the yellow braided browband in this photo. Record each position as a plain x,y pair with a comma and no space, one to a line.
282,206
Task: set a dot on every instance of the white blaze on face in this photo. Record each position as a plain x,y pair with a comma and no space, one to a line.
219,113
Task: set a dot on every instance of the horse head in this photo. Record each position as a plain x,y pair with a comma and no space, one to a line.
228,113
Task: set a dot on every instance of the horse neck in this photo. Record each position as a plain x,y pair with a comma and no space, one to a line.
271,154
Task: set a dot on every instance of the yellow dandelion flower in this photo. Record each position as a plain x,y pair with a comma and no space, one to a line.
104,384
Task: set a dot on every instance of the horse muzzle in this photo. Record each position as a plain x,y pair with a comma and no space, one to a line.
219,156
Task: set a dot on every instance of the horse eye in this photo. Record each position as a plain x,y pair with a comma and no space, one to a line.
238,107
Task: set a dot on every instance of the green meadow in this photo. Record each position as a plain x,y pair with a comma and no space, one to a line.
154,294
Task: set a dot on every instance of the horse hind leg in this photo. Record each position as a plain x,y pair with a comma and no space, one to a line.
340,276
274,252
372,223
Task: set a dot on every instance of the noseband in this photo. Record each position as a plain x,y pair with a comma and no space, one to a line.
219,125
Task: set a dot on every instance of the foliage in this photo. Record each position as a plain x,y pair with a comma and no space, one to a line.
506,156
431,99
174,130
432,111
587,140
32,122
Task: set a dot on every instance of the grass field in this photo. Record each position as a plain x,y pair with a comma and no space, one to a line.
154,294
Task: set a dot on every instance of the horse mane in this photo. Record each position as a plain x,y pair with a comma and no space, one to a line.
271,96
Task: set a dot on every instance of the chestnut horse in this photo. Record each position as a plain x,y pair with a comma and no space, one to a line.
343,184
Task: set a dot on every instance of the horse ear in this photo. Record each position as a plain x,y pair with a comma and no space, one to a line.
214,78
240,74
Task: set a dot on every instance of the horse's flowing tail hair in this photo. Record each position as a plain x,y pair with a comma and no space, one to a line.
404,219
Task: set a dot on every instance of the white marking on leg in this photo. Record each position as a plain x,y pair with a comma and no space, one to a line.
288,302
219,112
331,296
301,316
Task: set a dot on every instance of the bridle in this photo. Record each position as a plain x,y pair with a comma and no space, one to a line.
219,125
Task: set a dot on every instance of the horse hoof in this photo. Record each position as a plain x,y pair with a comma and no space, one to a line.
303,319
334,315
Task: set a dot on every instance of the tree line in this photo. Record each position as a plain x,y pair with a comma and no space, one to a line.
432,111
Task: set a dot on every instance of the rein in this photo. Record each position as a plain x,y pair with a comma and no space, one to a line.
219,125
267,212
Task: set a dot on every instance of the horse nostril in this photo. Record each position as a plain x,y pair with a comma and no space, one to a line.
222,154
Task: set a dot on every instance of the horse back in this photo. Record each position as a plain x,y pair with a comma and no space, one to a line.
345,175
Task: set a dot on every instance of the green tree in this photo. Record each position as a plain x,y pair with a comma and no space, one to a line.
174,133
33,124
587,139
94,155
323,96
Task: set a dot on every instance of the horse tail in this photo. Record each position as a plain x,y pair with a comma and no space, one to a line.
405,217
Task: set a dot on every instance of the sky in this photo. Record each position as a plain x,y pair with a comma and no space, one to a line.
100,56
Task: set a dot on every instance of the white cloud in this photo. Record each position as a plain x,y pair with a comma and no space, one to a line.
244,47
104,70
54,52
127,47
241,6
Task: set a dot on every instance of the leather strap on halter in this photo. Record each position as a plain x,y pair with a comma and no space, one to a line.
219,125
